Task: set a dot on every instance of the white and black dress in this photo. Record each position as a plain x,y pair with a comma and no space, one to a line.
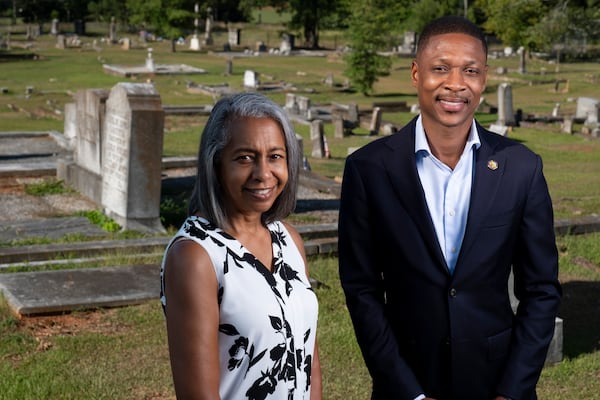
267,320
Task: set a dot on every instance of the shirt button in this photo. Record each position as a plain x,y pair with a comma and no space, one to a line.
452,292
451,213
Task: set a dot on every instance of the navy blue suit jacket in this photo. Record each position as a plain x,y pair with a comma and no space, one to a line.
420,329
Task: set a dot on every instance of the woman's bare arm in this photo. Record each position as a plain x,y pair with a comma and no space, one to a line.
192,314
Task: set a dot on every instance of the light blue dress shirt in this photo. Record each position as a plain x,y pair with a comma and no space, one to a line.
447,191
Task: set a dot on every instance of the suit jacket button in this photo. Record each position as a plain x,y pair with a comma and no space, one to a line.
452,292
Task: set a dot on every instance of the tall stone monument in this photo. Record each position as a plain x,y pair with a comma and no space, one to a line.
208,39
506,115
195,41
132,154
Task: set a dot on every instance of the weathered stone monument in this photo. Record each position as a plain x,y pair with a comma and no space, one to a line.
150,61
234,36
208,39
506,114
195,41
587,110
112,31
287,44
54,29
132,154
118,152
316,139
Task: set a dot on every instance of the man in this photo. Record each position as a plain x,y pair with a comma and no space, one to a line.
431,220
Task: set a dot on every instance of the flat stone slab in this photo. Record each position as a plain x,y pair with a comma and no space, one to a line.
159,69
47,292
51,228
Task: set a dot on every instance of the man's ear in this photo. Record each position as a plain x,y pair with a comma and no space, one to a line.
414,73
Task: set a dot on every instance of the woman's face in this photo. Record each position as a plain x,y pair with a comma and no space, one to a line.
253,168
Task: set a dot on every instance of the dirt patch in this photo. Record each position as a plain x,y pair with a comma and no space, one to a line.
45,328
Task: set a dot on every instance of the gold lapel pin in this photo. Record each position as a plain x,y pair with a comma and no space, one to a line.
493,165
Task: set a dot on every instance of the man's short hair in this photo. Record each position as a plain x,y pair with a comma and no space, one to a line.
451,24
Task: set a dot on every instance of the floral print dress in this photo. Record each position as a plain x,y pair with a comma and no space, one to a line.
268,320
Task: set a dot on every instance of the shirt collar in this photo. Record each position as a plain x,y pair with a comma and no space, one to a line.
421,143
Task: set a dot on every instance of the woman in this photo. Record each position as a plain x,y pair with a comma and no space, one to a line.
241,315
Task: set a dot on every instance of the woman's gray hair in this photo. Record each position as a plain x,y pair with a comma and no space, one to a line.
207,197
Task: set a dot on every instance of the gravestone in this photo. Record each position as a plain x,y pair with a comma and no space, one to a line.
70,124
587,109
90,109
290,103
567,126
132,155
345,118
251,79
338,124
303,105
150,61
61,42
375,121
54,29
234,36
228,67
556,110
522,60
126,44
316,139
112,31
506,114
208,40
409,44
85,131
194,41
287,44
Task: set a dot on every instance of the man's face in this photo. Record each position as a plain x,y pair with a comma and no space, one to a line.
449,73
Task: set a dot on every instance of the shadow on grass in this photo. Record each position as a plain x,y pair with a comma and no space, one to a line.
580,311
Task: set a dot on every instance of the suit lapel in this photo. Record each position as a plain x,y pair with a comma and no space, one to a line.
489,169
401,168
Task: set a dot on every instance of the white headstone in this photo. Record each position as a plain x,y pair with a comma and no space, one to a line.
250,79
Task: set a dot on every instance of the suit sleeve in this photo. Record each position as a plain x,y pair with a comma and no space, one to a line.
362,283
535,267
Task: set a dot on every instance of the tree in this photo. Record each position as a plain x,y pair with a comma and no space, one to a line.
369,32
309,16
168,18
104,10
421,12
510,19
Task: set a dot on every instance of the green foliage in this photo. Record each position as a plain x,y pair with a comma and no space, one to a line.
98,218
309,16
173,211
51,186
169,18
369,30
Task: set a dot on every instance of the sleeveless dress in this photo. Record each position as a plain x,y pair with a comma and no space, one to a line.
267,320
